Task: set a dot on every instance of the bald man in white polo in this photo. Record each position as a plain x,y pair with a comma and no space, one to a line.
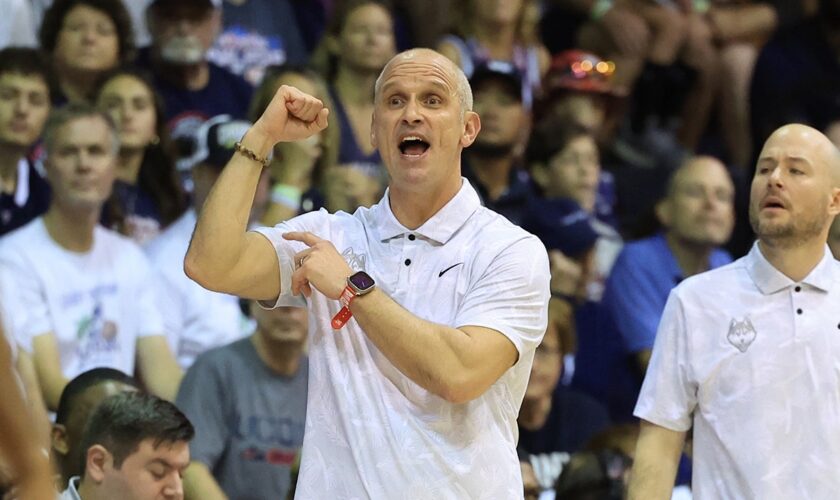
749,353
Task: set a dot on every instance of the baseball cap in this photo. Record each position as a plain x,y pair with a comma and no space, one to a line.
215,140
500,70
580,71
561,224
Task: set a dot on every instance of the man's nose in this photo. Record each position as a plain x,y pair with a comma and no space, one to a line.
175,489
411,112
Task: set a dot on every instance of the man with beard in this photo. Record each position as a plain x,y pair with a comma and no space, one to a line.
748,353
492,163
193,88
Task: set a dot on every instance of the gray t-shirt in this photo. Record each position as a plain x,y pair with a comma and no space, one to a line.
249,421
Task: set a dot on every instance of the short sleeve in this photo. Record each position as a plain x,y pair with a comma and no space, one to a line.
25,310
669,393
201,396
512,295
314,222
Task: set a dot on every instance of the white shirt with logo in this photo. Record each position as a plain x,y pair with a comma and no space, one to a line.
194,319
752,359
97,304
371,432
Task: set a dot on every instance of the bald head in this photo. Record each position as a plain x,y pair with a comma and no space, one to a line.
805,143
429,56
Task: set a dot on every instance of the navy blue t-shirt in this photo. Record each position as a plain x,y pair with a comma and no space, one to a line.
186,110
30,199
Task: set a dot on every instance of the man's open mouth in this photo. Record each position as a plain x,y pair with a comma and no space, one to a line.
413,146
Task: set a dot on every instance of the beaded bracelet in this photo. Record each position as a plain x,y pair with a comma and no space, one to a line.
251,155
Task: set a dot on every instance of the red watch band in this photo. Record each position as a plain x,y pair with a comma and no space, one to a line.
344,314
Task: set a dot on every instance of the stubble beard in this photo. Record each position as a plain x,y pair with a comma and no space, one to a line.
789,234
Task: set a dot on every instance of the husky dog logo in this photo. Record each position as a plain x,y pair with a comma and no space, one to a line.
354,260
741,333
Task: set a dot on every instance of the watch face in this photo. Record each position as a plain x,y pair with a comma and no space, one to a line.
362,281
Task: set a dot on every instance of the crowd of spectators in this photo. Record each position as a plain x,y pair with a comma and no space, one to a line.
620,132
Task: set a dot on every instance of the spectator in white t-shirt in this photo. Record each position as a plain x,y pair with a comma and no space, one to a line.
81,296
196,319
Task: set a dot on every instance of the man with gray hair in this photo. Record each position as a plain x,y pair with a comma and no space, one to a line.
424,310
78,295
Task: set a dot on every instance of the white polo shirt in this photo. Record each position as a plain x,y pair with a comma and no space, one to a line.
371,432
194,319
754,359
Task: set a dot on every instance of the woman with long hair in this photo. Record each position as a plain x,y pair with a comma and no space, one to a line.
148,194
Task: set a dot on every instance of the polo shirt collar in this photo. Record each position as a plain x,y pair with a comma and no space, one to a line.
440,227
770,280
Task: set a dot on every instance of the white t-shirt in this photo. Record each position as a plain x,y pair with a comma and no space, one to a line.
97,304
753,360
371,432
194,318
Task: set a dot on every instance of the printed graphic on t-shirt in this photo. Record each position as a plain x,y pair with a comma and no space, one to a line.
247,53
97,338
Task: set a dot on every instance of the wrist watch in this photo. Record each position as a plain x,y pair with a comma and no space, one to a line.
358,284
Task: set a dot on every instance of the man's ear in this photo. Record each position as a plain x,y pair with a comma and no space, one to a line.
834,202
663,212
97,460
373,131
472,126
539,172
58,439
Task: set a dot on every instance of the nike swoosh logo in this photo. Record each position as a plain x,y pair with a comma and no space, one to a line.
448,268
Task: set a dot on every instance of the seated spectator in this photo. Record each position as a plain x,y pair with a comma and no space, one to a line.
493,162
697,217
24,107
193,89
499,31
135,446
194,318
247,436
81,295
86,38
147,192
359,40
78,401
564,163
554,420
298,169
258,34
578,88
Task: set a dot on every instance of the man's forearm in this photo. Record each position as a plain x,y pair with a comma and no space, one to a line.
655,464
158,367
199,484
443,360
218,240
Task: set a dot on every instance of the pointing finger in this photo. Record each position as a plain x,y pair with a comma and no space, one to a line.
305,237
